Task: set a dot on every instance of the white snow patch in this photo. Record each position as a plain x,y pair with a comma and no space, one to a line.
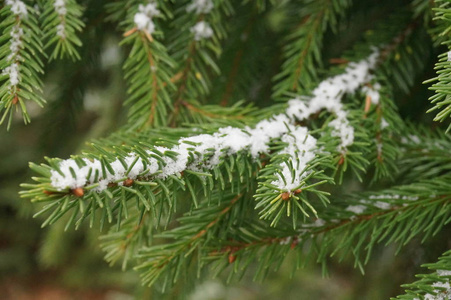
15,42
61,10
61,30
200,6
285,241
319,222
379,146
357,209
301,150
201,30
444,272
441,294
18,8
382,205
395,197
60,7
143,18
415,139
205,150
372,92
14,74
328,96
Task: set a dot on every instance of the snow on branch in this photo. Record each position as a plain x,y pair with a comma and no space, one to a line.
143,18
62,21
202,30
328,96
443,293
198,152
19,9
20,59
442,289
206,151
61,10
432,286
302,149
200,6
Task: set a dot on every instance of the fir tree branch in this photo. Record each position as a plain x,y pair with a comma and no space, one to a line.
441,97
302,54
196,42
142,178
132,236
169,260
234,115
296,159
395,215
61,21
433,285
149,71
425,154
379,108
20,60
118,10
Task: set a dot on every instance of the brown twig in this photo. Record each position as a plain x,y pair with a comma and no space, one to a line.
237,245
303,56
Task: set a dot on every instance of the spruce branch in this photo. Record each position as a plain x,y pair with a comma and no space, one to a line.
148,70
61,22
118,10
433,285
389,216
380,114
302,53
170,260
20,60
296,159
425,154
134,234
247,182
195,45
441,97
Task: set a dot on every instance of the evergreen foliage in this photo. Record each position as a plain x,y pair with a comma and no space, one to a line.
20,59
247,123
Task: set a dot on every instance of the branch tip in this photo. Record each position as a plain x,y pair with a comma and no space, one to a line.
79,192
286,196
128,182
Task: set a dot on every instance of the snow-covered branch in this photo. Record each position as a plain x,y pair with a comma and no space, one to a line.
19,9
61,10
206,151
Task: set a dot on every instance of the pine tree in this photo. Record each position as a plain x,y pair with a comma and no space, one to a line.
255,130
